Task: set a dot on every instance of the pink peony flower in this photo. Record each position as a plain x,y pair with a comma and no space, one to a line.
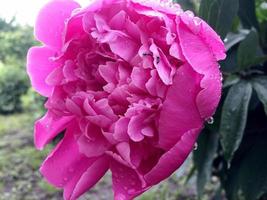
131,84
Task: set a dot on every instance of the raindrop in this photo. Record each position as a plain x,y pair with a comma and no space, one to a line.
131,191
132,183
71,170
195,146
65,179
225,40
210,120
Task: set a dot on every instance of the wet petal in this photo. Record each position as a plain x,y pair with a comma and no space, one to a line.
50,23
39,66
202,60
127,184
174,158
47,128
179,111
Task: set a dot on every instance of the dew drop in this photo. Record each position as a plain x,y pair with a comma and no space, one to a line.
65,179
210,120
120,197
131,191
71,170
195,146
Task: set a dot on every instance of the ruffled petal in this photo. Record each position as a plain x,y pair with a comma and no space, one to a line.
201,58
89,178
50,23
214,41
174,158
39,66
179,111
74,171
47,128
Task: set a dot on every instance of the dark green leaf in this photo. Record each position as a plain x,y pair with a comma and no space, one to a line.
219,14
247,50
230,65
260,85
247,14
231,80
186,4
203,158
247,179
234,38
234,117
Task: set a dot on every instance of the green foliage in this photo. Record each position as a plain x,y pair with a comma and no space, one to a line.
234,147
15,41
13,84
203,157
219,14
234,117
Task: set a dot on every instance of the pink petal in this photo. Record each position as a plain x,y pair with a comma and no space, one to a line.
90,177
39,66
213,40
174,158
50,23
55,77
120,129
127,184
201,58
124,47
67,160
93,144
179,111
47,128
74,172
162,65
134,128
118,21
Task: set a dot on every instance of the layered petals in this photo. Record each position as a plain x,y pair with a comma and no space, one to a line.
201,58
173,123
47,128
129,84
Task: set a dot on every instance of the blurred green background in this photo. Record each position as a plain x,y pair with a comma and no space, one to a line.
231,159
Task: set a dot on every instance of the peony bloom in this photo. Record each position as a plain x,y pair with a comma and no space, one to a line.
130,83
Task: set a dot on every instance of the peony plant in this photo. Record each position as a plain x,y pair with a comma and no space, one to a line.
130,83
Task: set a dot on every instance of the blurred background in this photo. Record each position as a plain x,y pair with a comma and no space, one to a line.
230,161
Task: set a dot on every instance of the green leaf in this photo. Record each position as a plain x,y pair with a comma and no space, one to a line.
260,86
230,65
186,4
247,178
219,14
247,50
247,14
203,158
234,38
234,117
231,80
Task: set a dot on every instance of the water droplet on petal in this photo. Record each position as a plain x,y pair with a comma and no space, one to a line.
120,197
210,120
71,170
131,191
195,146
132,183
